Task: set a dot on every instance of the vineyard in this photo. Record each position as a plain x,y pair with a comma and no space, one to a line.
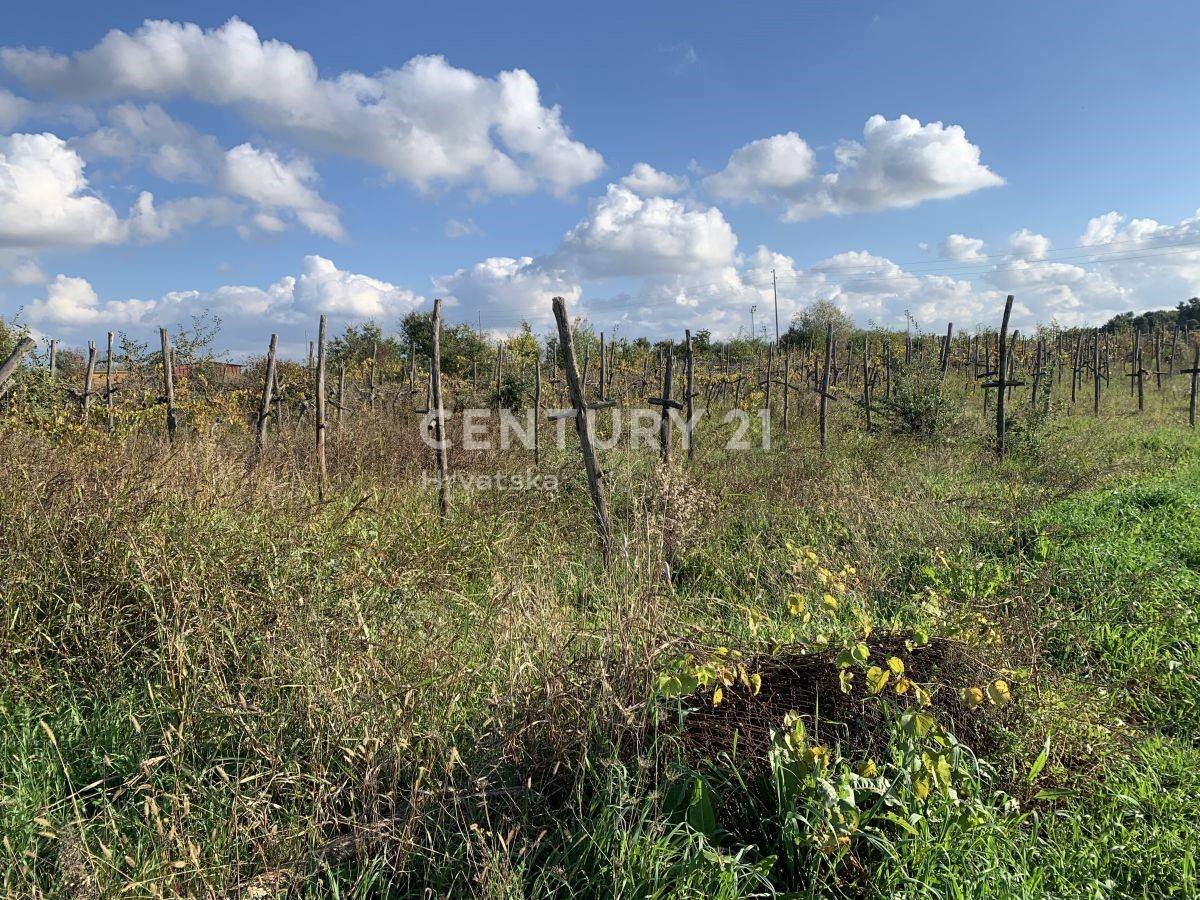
850,612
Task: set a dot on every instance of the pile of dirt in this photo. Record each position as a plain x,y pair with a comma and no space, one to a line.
855,723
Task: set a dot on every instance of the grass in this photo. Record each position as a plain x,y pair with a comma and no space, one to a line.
214,686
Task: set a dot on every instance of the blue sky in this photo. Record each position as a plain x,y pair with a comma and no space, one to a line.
271,208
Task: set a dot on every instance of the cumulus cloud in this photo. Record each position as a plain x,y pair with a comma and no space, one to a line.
321,287
427,122
628,235
768,170
274,184
45,199
13,110
960,248
899,163
503,291
149,135
646,181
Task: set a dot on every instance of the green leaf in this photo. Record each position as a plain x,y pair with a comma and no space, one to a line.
1040,763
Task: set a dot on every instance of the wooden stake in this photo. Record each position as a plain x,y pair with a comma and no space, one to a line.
322,473
689,392
1194,371
168,382
439,415
264,407
583,428
9,366
108,382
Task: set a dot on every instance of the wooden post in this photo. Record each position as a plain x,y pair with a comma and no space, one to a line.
944,363
1096,373
168,382
688,392
787,384
9,366
439,414
85,399
341,399
537,406
825,382
53,359
499,375
264,407
322,474
108,382
1194,371
1002,373
866,374
603,367
583,428
665,404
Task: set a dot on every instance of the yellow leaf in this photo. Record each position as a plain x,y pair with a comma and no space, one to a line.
718,696
756,683
902,685
845,678
998,692
830,601
868,769
896,665
971,697
877,679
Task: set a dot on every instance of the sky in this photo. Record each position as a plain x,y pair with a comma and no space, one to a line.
653,163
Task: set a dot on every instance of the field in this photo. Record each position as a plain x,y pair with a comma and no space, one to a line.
901,666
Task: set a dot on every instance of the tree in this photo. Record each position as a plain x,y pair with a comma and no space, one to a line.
461,346
808,326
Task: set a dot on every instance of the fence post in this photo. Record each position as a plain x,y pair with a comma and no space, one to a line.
264,408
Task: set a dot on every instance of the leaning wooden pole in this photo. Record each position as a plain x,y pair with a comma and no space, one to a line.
264,407
439,415
168,382
322,471
583,429
89,374
825,383
9,366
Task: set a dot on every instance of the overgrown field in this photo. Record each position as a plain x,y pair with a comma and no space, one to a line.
896,669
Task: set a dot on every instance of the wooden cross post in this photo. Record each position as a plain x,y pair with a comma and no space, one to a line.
439,415
264,407
85,398
499,376
537,405
825,395
341,401
603,367
322,474
168,382
583,429
1194,371
9,366
688,392
787,384
108,382
1003,379
53,359
866,373
1096,373
944,362
666,404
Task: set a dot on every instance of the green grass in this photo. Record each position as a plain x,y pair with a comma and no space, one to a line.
215,687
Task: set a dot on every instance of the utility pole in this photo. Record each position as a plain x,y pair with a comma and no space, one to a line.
775,292
753,307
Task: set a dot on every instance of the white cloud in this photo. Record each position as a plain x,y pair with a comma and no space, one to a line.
960,248
171,149
628,235
274,184
766,171
427,122
44,197
13,110
646,181
505,291
21,270
898,164
321,287
457,228
149,222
